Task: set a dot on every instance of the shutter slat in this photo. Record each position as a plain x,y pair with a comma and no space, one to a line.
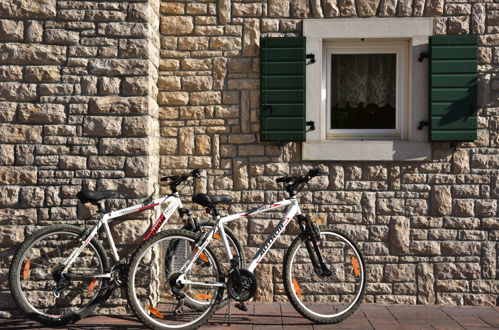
282,69
454,52
453,66
282,89
287,96
283,82
453,80
466,107
453,88
283,54
451,94
448,122
450,136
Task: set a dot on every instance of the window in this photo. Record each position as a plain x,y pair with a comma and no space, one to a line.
367,92
366,88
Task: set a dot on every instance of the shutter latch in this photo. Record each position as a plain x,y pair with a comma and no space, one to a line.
422,56
311,124
422,124
311,57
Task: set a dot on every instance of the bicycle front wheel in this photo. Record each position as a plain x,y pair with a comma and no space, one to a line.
325,298
154,293
35,276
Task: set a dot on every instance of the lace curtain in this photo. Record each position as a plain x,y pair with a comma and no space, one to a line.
362,79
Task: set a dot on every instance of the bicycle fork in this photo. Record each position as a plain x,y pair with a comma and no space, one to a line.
312,245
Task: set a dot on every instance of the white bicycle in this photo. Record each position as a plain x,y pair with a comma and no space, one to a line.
324,273
62,272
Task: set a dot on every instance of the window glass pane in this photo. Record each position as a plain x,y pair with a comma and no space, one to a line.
363,88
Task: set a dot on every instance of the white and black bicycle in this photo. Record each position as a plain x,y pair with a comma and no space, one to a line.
324,273
62,271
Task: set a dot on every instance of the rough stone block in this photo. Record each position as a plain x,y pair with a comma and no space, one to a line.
399,235
206,98
102,126
123,29
11,30
45,113
124,146
121,67
119,105
61,37
42,73
6,154
457,270
136,85
32,197
11,73
11,235
32,53
20,133
14,91
18,174
137,166
109,85
9,196
73,163
173,98
28,9
400,273
441,200
177,24
7,111
106,162
21,216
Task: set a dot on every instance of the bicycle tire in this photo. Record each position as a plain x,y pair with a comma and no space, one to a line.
23,271
147,252
298,297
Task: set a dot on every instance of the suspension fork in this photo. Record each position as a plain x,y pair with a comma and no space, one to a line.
312,244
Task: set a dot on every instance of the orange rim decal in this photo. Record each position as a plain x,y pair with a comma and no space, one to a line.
297,288
355,265
91,286
155,312
26,269
202,255
204,296
216,236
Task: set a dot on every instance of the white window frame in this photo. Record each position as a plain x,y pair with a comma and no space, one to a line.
412,144
371,46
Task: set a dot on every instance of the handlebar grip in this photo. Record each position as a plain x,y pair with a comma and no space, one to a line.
196,173
316,172
165,178
284,179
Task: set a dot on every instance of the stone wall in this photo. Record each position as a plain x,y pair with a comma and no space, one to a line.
429,230
77,109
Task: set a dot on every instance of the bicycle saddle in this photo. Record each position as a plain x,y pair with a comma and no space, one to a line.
211,200
89,196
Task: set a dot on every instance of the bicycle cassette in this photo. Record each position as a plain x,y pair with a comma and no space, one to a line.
241,284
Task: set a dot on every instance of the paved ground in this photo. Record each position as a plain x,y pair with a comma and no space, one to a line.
271,316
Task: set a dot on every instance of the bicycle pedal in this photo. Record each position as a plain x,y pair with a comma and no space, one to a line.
242,306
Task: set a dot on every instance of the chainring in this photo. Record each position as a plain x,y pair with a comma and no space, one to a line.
241,287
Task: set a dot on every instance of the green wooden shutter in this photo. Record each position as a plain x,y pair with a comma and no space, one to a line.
282,89
453,88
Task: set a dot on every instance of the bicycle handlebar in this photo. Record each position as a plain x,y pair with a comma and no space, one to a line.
178,179
298,180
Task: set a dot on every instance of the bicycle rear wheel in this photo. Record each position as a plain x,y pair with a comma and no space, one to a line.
35,272
153,294
329,298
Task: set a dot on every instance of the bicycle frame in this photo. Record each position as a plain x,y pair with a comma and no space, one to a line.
174,203
269,242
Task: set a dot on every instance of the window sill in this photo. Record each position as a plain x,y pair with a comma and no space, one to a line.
366,150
